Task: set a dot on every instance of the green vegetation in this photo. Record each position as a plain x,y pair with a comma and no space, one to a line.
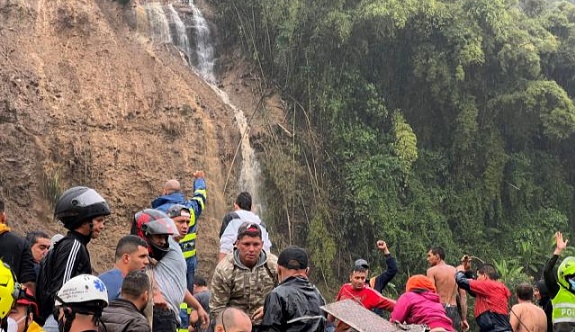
422,122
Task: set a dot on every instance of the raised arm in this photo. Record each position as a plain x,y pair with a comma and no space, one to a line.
198,200
548,272
383,279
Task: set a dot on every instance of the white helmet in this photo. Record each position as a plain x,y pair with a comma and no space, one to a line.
84,289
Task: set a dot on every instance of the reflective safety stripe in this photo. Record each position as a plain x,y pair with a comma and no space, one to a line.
563,306
192,221
189,254
188,245
188,242
184,306
188,237
305,318
202,198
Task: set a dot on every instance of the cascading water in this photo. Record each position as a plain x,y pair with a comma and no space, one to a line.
204,48
188,30
179,33
158,23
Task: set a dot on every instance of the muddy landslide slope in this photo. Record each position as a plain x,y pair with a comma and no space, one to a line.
85,100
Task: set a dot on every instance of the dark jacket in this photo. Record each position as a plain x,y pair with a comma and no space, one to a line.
67,259
294,306
15,252
545,303
384,278
123,316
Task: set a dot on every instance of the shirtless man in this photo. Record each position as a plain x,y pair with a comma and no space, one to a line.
526,316
442,275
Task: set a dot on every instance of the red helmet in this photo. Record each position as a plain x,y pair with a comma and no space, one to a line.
26,298
153,222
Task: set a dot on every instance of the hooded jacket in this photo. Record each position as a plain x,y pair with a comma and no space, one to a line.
294,306
235,284
122,315
421,307
67,259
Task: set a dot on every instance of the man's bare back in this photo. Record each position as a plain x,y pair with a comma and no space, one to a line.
443,276
527,317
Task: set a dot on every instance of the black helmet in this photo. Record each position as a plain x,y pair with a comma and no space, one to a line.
79,204
153,222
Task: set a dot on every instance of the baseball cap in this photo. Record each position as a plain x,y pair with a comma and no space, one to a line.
249,229
362,263
293,258
178,210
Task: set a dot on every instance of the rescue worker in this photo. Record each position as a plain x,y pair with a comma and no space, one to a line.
79,304
172,194
25,311
6,298
561,287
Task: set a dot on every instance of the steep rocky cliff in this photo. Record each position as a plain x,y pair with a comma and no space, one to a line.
86,99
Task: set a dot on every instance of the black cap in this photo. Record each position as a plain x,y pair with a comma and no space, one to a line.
249,229
361,263
293,258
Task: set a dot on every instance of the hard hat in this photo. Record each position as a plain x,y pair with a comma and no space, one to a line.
85,289
6,290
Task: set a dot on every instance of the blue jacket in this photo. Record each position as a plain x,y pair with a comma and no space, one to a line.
195,204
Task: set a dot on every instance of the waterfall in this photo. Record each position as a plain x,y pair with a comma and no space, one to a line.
158,23
178,29
204,48
250,173
187,29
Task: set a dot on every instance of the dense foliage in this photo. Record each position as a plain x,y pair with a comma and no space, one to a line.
421,122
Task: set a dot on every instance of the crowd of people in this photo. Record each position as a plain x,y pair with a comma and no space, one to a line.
47,283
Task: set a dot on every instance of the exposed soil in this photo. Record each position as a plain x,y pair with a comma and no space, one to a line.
86,100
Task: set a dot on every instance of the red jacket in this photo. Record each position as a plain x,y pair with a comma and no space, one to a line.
490,295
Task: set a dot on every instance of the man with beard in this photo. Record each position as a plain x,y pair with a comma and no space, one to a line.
245,276
167,269
359,291
131,255
125,313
